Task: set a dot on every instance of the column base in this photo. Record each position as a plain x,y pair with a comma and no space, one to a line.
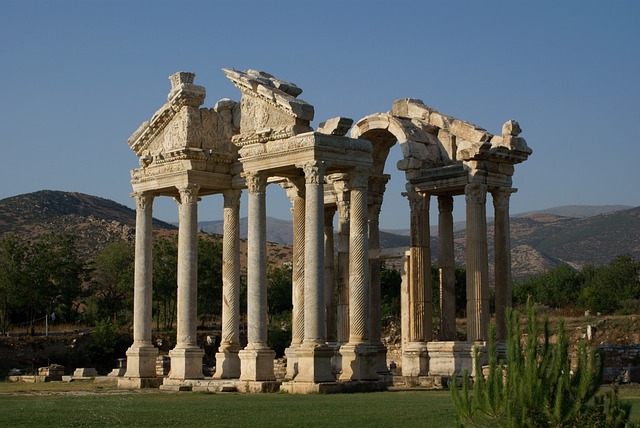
292,362
257,364
314,363
381,359
415,359
453,358
358,362
186,363
141,361
227,364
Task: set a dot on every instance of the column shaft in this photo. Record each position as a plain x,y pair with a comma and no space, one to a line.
329,280
231,269
314,321
446,263
297,317
257,263
343,266
478,315
358,262
187,266
502,250
142,302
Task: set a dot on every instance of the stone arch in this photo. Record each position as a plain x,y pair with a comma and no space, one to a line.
420,149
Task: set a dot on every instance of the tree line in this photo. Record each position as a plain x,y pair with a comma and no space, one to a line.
49,276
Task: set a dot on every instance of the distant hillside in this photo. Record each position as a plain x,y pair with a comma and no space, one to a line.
579,211
94,220
278,231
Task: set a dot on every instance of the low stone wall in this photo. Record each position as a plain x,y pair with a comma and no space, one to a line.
620,356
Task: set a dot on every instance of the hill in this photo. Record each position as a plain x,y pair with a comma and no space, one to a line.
94,220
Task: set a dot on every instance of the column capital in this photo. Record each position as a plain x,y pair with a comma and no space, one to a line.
445,203
144,200
188,193
417,201
256,182
232,198
294,187
313,171
358,179
475,193
501,196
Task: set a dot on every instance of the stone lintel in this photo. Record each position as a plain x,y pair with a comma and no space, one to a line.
167,184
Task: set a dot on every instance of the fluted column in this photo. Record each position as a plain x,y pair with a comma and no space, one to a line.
359,262
359,355
314,321
295,192
502,250
142,354
256,359
342,281
227,360
186,357
314,356
478,315
414,355
446,264
329,280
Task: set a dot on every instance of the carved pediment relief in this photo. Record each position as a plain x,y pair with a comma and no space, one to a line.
269,108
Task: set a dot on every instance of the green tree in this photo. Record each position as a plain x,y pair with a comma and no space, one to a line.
608,287
537,388
390,282
279,290
209,277
558,287
13,278
165,281
111,284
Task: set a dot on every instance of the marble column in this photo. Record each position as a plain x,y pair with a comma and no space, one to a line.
478,312
256,359
314,355
342,280
358,355
329,277
376,190
227,360
186,357
295,192
414,355
141,356
502,250
446,267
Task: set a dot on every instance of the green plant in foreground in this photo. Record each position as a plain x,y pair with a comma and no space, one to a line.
538,387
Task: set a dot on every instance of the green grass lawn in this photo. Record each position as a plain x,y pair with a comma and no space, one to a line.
153,408
57,404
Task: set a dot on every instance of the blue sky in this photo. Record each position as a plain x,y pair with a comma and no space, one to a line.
78,77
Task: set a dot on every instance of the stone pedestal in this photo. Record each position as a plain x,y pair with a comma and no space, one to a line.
415,359
314,364
256,365
227,364
186,363
358,362
452,358
141,361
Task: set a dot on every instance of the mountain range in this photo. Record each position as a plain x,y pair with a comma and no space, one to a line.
576,235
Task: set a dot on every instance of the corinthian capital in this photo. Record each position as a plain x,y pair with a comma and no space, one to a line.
475,193
188,193
256,182
313,172
232,198
144,200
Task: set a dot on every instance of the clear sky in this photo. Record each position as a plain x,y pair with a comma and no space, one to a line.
78,78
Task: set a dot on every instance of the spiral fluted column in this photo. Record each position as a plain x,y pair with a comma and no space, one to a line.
502,250
446,265
227,360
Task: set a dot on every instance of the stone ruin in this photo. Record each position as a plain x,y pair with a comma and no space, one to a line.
187,152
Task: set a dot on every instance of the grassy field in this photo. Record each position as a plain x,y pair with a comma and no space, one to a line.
79,404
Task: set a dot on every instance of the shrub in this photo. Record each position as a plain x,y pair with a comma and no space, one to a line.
538,387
